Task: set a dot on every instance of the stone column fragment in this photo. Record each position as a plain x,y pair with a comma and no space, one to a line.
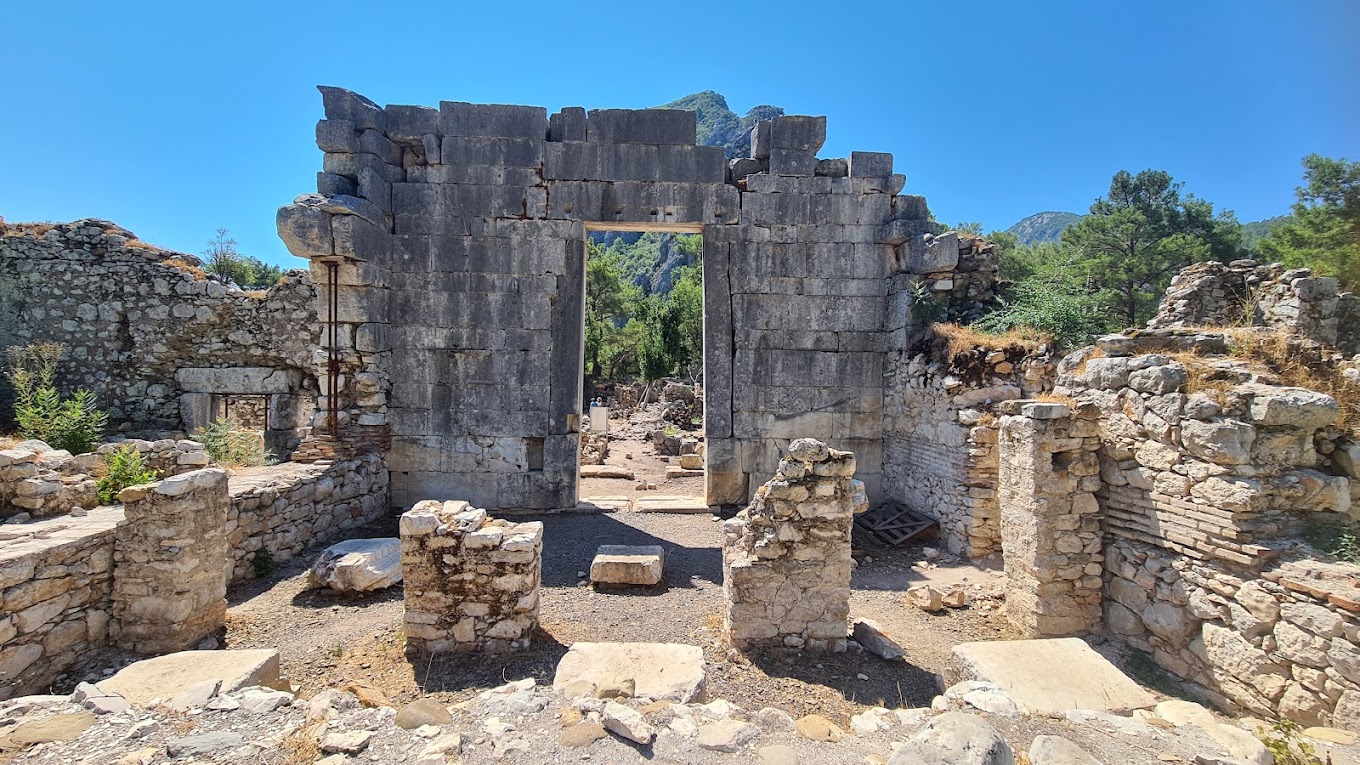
471,581
786,557
170,563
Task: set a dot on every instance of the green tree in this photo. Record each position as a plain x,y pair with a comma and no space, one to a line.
609,303
686,300
223,261
1324,232
1142,232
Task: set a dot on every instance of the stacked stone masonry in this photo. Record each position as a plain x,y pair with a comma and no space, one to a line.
1050,519
1245,293
170,585
459,238
286,508
471,581
133,316
786,557
940,433
56,577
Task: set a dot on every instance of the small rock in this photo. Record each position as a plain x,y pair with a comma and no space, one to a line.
955,598
773,719
727,735
926,598
422,712
817,728
627,722
195,696
1055,750
861,676
778,754
449,743
204,743
263,700
351,742
931,553
872,637
142,729
582,734
139,757
869,721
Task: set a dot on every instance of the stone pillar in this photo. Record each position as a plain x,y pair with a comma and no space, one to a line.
1050,521
471,581
170,557
786,557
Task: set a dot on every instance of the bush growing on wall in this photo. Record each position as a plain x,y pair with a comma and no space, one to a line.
74,424
228,443
127,467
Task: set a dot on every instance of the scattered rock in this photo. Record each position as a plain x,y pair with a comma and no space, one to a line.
1331,735
422,712
772,719
814,727
204,743
926,598
196,696
955,598
263,700
627,722
868,634
778,754
727,735
955,738
368,695
582,734
1055,750
63,727
350,742
358,565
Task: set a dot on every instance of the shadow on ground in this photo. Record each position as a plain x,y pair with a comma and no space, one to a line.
570,542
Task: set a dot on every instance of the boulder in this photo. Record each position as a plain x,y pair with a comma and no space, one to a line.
1056,750
422,712
358,565
626,722
955,738
668,671
727,735
815,727
165,677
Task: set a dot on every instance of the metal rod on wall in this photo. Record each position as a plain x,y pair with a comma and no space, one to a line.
333,356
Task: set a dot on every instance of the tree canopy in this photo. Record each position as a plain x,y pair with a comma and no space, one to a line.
1324,231
223,261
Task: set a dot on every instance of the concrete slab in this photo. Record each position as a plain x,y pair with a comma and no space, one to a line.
606,471
669,504
626,564
669,671
1049,677
164,677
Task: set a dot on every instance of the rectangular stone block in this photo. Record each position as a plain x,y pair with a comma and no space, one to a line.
798,132
241,380
359,239
624,564
691,164
341,104
760,140
567,125
512,152
332,184
409,124
337,136
457,118
870,164
654,126
910,207
792,162
375,143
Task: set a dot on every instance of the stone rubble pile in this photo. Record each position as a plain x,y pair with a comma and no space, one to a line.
471,581
786,557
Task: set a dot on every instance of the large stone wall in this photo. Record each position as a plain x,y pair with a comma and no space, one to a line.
283,509
132,316
459,237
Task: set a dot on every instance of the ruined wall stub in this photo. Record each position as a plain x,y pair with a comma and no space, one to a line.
461,237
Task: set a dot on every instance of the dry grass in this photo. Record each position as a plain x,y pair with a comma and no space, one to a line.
1056,398
962,339
1299,364
988,420
189,268
301,747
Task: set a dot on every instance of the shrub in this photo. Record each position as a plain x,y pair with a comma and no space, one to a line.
228,443
261,563
126,467
1336,539
1071,315
1287,746
74,424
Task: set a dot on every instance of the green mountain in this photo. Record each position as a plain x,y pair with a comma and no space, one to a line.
1043,227
1256,230
719,125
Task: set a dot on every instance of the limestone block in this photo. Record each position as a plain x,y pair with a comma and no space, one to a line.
342,104
659,671
457,118
929,254
652,126
358,565
623,564
797,132
336,135
165,676
1049,677
870,164
567,125
305,231
409,124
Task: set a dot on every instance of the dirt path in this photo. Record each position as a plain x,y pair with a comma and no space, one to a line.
327,640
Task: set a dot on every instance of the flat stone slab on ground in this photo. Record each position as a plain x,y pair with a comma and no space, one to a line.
679,472
1049,677
625,564
669,671
164,677
668,504
606,471
604,504
358,565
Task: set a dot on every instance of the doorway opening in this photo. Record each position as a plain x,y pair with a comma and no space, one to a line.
642,419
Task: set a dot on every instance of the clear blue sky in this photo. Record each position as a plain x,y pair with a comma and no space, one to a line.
173,119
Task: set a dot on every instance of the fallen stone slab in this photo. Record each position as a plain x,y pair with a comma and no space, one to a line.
668,671
666,504
165,677
63,727
673,472
628,564
1051,676
606,471
358,565
868,634
204,743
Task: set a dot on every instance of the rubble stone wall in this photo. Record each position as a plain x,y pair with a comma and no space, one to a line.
283,509
132,315
42,482
170,582
459,234
1245,293
940,433
56,578
471,581
1050,519
786,557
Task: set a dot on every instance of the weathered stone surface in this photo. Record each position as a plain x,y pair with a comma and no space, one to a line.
658,671
726,735
627,722
869,634
422,712
623,564
1056,750
164,677
1052,676
358,565
955,738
